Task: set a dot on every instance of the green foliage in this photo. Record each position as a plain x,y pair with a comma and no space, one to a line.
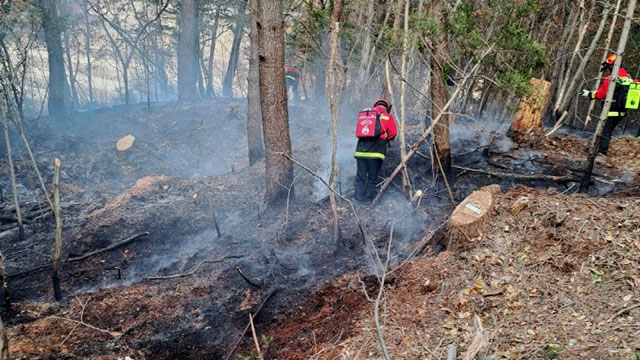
552,351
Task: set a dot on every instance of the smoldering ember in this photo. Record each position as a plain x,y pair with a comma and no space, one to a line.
345,179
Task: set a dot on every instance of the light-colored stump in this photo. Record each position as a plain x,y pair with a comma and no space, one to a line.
531,108
125,143
469,217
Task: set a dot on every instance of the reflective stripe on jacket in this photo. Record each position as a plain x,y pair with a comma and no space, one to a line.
369,155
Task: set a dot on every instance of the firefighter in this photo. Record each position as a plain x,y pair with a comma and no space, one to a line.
617,111
371,152
291,79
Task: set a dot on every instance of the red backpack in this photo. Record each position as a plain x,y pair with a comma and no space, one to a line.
368,124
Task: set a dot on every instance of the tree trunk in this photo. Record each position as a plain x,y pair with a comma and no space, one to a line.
403,93
335,98
212,52
87,49
254,114
440,95
188,51
72,75
583,64
52,25
595,141
12,173
581,33
273,101
4,344
365,53
605,53
227,85
5,283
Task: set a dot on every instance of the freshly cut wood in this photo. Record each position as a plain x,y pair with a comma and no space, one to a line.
531,107
124,144
469,217
494,189
519,205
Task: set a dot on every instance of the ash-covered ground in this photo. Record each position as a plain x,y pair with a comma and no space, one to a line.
187,172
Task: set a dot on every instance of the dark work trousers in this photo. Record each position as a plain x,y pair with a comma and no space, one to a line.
609,126
367,178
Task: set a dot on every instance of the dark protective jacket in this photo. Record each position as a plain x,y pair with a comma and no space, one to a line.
376,148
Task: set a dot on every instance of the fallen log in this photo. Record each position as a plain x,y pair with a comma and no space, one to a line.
533,177
195,270
78,258
110,247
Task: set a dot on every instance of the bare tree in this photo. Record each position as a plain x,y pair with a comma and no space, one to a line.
254,114
440,95
116,18
188,50
52,25
212,52
273,101
595,141
238,32
605,53
334,88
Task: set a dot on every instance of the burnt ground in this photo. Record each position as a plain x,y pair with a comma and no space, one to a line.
180,172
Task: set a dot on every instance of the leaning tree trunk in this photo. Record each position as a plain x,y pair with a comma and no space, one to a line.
227,84
12,173
562,93
595,141
605,53
583,64
52,25
188,51
57,253
335,98
254,114
273,102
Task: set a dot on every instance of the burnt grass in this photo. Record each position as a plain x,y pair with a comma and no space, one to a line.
185,166
189,163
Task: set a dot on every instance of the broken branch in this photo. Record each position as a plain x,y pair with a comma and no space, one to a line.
110,247
189,273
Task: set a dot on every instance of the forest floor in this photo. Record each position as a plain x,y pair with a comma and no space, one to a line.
558,277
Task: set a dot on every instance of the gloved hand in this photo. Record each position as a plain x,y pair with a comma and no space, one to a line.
586,93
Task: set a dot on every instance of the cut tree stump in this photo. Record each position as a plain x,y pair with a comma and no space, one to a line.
469,217
531,108
124,144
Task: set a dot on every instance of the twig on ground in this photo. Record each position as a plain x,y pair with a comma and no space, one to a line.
255,314
255,338
189,273
376,306
84,306
114,334
246,278
625,310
